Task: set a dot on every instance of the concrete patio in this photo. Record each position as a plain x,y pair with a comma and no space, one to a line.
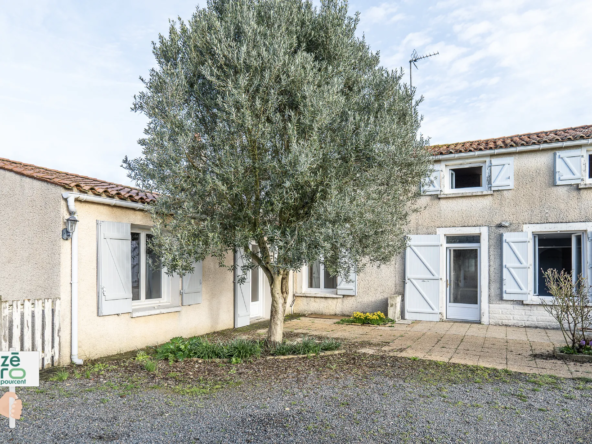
501,347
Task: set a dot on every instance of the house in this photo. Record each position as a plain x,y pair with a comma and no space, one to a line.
494,213
92,290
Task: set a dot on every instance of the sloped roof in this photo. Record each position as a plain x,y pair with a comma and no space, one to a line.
553,136
79,183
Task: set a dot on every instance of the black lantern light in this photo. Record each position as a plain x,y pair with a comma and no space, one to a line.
70,227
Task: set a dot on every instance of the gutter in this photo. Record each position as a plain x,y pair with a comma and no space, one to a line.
517,149
70,199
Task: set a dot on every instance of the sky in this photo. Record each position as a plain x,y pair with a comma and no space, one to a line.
69,70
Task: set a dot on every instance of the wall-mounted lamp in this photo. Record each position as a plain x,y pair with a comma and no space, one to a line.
504,224
70,227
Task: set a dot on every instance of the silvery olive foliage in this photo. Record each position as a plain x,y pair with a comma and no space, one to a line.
270,121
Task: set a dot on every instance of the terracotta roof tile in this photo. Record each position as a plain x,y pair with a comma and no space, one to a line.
560,135
78,182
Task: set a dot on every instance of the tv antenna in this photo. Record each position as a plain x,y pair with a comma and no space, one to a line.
414,58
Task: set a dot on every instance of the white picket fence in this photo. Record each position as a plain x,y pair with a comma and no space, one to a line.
32,325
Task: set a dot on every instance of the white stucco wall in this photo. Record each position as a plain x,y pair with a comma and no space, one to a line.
534,199
30,238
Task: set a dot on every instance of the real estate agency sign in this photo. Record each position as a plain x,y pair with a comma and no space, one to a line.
16,369
19,369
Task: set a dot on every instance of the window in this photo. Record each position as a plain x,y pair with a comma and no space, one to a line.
147,273
561,251
589,165
466,177
319,278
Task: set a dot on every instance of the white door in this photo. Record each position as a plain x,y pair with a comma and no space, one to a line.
463,283
422,278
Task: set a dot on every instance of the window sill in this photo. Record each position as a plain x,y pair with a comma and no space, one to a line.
318,295
585,185
538,300
465,194
149,311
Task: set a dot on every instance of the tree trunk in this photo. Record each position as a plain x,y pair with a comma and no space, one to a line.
279,298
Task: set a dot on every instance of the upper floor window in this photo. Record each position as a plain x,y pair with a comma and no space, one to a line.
455,177
467,176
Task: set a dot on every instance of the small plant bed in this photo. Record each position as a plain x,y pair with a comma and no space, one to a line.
377,318
237,350
581,353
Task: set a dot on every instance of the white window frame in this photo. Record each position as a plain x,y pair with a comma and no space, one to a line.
447,168
165,284
586,168
535,258
585,228
307,289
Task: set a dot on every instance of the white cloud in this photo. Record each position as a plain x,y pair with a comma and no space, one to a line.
383,13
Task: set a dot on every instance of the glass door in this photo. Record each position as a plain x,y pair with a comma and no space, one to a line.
463,283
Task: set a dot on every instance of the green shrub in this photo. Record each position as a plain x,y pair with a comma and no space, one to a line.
243,349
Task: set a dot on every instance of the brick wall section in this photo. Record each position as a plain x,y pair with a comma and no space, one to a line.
520,315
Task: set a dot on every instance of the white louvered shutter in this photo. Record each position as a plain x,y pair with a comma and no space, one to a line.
114,268
516,268
347,287
242,294
192,284
422,278
434,184
502,173
568,167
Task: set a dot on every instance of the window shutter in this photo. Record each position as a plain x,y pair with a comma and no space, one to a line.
568,167
242,294
347,286
434,183
516,268
192,285
502,173
114,268
422,278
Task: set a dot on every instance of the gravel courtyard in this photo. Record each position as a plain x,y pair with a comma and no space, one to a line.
349,397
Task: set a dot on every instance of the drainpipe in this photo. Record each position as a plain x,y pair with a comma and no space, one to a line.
70,198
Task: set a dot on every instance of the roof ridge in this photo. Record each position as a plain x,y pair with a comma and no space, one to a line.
532,138
77,181
3,159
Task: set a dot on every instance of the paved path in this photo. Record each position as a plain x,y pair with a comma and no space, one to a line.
511,348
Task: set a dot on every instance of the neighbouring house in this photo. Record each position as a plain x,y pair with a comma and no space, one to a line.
94,291
494,214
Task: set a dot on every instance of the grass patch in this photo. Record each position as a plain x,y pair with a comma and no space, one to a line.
60,376
432,373
306,347
178,349
237,350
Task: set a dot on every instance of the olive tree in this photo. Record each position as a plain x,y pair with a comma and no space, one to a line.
271,123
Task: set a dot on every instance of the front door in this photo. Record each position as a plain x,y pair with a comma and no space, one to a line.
256,293
463,283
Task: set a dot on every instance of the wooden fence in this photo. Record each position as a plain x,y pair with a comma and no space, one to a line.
32,325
